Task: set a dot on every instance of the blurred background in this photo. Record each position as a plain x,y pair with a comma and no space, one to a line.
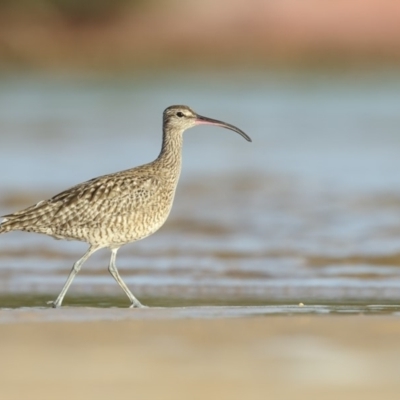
310,211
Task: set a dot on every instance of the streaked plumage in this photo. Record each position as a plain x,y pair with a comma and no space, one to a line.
115,209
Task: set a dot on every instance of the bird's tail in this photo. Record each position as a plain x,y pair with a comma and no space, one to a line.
6,225
13,223
21,220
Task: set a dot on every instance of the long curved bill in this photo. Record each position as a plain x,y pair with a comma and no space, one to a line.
200,120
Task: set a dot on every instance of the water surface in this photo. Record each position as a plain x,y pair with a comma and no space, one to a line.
309,212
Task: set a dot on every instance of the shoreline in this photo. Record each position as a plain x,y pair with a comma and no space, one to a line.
68,314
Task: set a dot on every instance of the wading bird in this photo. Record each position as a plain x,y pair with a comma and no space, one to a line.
119,208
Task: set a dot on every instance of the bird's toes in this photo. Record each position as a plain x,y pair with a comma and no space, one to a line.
138,305
53,304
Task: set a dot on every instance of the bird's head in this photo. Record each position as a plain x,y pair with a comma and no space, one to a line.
180,118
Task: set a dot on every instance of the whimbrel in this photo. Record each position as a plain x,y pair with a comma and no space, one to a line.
119,208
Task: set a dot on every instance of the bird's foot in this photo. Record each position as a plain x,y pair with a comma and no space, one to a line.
137,305
54,303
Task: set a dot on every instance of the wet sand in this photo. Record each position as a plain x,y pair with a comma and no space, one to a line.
197,354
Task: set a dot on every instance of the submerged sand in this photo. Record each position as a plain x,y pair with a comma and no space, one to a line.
191,354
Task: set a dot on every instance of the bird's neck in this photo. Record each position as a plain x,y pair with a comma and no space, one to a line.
170,158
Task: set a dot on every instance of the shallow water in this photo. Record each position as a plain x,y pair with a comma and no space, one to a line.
309,212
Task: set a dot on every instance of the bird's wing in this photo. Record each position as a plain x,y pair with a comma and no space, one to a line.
91,201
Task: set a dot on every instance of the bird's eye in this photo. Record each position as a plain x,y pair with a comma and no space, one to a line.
180,114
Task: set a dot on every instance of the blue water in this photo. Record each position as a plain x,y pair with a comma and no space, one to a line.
309,210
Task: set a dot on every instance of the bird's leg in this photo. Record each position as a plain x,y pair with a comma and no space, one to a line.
75,269
112,268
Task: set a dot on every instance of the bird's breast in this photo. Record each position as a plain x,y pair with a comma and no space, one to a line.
134,221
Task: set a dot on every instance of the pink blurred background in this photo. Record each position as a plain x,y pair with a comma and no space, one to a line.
128,35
